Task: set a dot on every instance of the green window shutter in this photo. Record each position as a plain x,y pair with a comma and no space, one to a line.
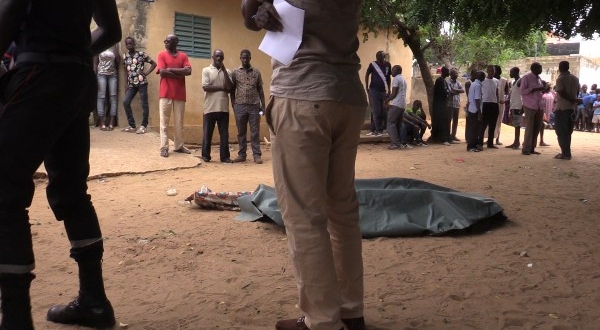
194,35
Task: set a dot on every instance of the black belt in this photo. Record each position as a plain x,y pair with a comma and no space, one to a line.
31,57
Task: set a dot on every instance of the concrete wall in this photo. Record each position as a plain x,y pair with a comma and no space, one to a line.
150,23
587,70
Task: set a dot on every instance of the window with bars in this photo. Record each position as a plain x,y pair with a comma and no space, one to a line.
194,33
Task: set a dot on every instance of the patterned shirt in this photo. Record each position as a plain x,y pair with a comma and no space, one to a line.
246,85
134,65
454,99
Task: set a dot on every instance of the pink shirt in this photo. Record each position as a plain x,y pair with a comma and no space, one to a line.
531,99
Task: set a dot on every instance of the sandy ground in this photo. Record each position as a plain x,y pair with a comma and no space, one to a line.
168,266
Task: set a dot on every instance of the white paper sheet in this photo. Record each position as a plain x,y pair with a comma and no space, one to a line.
282,46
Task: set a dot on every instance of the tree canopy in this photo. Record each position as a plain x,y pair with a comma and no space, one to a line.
418,23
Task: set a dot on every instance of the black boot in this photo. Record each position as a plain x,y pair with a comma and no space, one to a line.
85,311
91,308
16,303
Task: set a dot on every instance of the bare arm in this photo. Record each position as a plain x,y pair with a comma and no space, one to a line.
261,95
152,67
108,31
392,95
261,14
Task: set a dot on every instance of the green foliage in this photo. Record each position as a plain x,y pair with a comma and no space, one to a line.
476,51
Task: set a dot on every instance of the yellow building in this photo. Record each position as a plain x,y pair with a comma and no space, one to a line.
203,26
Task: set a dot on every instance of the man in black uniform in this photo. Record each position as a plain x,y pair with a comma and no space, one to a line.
36,129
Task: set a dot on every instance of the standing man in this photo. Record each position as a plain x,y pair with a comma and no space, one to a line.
531,93
397,104
502,92
516,107
248,101
567,86
474,114
133,63
490,108
379,88
216,82
440,116
454,102
36,129
316,111
173,67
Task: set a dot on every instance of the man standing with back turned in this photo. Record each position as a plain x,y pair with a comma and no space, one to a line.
567,86
36,129
316,112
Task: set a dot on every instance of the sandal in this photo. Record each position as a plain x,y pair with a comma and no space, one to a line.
110,128
129,129
103,128
560,156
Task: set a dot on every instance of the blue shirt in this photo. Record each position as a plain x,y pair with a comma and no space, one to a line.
587,100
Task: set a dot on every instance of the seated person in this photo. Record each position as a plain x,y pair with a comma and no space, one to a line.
417,115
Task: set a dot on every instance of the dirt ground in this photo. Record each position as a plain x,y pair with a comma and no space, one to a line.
171,267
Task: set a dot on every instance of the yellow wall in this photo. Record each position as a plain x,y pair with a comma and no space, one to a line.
228,34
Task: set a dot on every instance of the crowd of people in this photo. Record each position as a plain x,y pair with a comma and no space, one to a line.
243,87
317,103
492,99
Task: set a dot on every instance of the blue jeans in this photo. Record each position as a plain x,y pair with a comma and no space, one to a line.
104,82
36,129
129,95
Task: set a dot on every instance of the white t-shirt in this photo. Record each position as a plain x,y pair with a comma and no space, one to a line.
400,99
489,90
515,96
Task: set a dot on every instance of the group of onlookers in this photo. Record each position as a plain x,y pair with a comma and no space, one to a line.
533,104
588,112
243,86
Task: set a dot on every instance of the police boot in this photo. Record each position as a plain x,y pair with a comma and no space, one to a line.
91,308
15,301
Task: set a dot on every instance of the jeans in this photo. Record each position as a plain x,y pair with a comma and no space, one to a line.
36,129
129,95
105,81
564,129
248,114
376,99
221,119
320,207
394,125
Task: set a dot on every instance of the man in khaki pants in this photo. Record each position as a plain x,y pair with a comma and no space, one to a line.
317,108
